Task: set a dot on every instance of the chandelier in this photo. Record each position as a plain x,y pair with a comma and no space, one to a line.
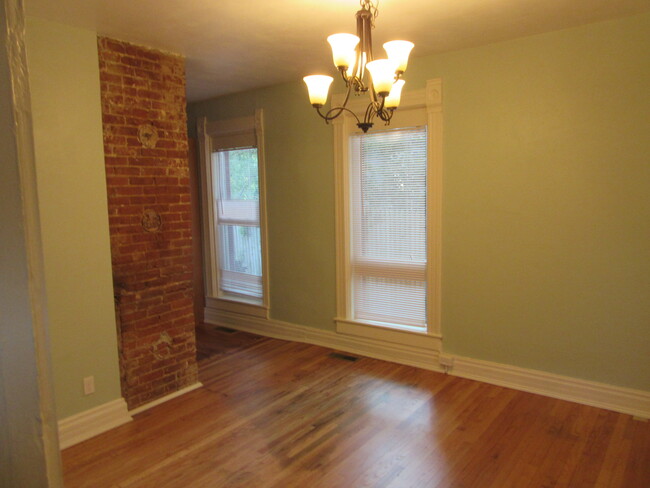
353,57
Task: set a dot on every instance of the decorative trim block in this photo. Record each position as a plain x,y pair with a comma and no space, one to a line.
89,423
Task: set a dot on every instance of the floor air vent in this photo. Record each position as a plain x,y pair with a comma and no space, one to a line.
345,357
225,329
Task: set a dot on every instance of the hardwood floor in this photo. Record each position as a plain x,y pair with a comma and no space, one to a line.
213,341
281,414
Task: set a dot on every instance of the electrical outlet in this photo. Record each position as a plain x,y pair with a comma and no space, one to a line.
447,362
89,385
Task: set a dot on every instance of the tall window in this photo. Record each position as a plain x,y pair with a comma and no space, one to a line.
234,218
389,244
388,224
235,173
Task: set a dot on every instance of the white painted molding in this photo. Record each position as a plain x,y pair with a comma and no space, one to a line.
243,306
264,226
43,424
166,398
207,217
421,357
618,399
601,395
89,423
417,339
433,102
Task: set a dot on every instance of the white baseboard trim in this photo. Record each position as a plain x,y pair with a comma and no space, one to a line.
166,398
89,423
421,357
618,399
601,395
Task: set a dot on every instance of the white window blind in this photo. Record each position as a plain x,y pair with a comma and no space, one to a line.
388,172
235,173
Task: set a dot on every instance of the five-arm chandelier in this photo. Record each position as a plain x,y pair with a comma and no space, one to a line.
352,55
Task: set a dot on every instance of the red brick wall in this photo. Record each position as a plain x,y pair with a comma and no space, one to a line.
143,92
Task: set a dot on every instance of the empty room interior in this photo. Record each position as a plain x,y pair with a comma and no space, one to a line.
325,243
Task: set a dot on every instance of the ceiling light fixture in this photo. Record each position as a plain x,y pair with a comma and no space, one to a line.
352,55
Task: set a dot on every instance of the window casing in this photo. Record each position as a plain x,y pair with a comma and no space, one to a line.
388,223
234,217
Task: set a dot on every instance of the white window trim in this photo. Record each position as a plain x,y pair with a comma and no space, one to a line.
430,100
231,127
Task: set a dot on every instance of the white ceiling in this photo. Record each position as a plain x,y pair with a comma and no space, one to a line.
235,45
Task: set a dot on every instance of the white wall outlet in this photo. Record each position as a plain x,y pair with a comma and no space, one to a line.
447,362
89,385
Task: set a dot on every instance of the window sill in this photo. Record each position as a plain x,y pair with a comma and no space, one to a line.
408,336
238,305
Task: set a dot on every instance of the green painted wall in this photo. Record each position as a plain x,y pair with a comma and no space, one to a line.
546,235
300,185
64,79
546,205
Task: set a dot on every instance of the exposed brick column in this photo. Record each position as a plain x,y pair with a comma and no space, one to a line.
147,173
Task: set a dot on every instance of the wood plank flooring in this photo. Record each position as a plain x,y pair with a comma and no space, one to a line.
282,414
213,341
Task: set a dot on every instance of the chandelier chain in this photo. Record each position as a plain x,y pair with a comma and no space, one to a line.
371,7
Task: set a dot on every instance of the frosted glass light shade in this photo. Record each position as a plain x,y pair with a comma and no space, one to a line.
399,51
393,98
383,74
343,49
318,86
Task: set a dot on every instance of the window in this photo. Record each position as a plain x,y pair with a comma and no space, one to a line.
388,237
235,175
388,223
234,223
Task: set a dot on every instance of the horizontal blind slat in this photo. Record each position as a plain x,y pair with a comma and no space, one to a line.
390,300
241,283
247,211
